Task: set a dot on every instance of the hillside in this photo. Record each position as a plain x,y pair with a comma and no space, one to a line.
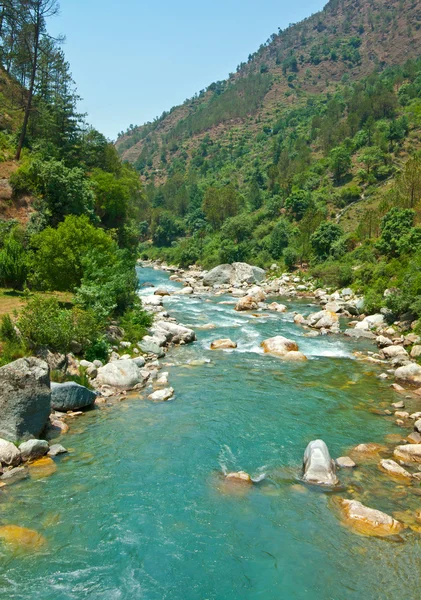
346,41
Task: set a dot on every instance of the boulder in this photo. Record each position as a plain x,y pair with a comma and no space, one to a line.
160,292
416,351
234,274
25,398
371,322
246,303
393,351
279,345
392,468
55,360
162,395
277,307
410,373
15,474
152,300
257,293
294,356
322,319
345,462
114,334
150,346
319,468
70,396
223,344
408,453
9,454
121,374
33,449
186,291
383,341
368,521
360,333
177,333
56,449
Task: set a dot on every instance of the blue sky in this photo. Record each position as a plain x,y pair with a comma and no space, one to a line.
134,59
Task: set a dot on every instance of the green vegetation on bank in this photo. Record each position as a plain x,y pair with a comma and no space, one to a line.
83,229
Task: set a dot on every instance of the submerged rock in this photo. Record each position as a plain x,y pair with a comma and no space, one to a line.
223,344
25,398
368,521
319,468
70,396
21,537
239,477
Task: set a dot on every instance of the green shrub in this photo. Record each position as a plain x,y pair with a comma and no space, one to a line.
135,323
7,329
98,350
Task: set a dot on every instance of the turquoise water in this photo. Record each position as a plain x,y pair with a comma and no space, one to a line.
139,511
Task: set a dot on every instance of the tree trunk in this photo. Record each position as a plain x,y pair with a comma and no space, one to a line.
30,91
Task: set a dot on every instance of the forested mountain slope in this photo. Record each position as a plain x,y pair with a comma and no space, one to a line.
307,156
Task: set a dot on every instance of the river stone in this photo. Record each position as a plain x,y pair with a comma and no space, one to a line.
246,303
416,352
186,291
56,449
393,351
368,521
414,438
122,374
277,307
410,373
360,333
15,474
279,345
345,462
152,300
392,468
234,274
33,449
9,454
25,398
149,346
223,344
417,426
162,395
257,293
408,453
177,333
70,396
319,468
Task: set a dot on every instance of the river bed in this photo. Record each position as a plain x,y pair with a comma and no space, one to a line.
138,509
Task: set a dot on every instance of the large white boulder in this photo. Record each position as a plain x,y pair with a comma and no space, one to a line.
122,374
176,333
410,373
319,468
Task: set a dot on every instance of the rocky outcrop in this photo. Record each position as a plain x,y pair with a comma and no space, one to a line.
223,344
319,468
368,521
234,274
70,396
25,398
121,374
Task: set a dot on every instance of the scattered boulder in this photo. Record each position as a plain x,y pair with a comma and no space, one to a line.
393,351
234,274
25,398
14,475
223,344
55,360
414,438
319,468
416,351
277,307
186,291
121,374
359,334
33,449
345,462
408,453
162,395
246,303
410,373
176,333
56,449
279,345
70,396
368,521
392,468
9,454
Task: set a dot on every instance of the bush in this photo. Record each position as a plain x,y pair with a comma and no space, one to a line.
135,323
44,323
7,330
290,258
13,263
